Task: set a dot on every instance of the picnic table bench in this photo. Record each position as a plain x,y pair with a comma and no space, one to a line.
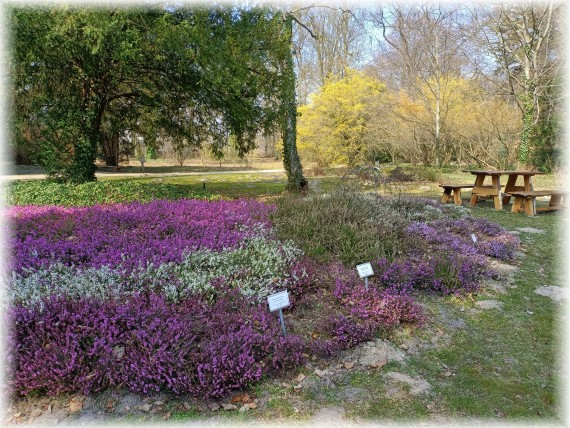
528,199
494,190
456,189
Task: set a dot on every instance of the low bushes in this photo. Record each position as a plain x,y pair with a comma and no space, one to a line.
146,344
131,235
171,295
43,192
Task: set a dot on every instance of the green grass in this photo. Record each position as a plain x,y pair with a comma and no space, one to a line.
239,185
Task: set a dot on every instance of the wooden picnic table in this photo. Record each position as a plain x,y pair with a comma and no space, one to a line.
480,189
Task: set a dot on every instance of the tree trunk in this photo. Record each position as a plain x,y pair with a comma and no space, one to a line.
527,128
295,180
110,145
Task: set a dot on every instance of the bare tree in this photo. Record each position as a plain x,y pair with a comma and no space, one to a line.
330,40
420,54
525,42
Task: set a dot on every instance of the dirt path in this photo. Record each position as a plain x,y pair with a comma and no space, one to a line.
38,174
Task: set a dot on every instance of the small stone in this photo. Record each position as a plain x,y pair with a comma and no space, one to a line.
286,385
300,377
555,293
321,373
248,406
348,365
145,407
229,406
213,407
530,230
166,416
158,403
297,388
489,304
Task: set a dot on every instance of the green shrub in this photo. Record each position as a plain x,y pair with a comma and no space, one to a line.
42,192
426,173
355,227
344,224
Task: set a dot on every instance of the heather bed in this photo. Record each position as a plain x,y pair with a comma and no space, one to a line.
170,295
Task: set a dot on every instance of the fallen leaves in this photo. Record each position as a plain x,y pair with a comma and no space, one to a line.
75,405
240,398
247,403
378,364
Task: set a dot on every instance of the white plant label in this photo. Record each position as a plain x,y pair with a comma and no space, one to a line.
474,238
365,270
278,301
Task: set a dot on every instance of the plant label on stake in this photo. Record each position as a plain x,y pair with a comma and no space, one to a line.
473,238
364,271
278,301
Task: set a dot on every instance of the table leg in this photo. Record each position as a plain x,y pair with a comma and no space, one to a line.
509,187
528,187
478,183
498,197
517,204
457,196
529,206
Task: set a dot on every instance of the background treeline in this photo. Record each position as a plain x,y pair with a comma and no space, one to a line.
432,84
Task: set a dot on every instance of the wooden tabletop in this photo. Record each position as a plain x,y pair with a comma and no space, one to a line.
500,172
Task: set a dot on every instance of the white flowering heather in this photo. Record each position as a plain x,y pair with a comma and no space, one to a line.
258,267
31,286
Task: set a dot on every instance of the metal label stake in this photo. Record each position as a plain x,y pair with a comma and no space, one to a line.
278,301
364,271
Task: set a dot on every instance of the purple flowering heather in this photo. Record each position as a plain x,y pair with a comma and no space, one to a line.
384,308
131,234
146,344
455,262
